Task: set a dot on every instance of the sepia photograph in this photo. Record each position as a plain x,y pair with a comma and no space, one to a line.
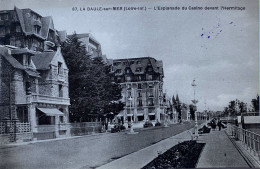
129,84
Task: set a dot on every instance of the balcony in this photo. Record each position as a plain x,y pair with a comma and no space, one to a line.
61,77
48,99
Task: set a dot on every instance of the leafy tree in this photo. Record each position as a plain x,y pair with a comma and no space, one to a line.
255,103
91,90
192,111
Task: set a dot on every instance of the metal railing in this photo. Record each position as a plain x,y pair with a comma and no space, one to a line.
249,139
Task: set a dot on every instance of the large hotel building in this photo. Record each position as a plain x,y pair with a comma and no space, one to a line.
141,80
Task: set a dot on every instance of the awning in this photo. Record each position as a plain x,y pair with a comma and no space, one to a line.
140,114
32,73
151,113
120,115
129,114
50,111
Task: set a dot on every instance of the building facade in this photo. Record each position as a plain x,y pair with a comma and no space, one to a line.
141,80
93,47
24,28
34,75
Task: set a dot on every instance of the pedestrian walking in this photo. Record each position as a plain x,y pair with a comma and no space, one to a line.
219,125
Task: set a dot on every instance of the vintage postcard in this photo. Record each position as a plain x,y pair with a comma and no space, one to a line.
129,84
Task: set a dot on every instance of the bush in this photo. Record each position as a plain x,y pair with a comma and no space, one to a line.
148,124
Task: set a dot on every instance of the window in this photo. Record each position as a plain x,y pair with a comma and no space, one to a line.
59,67
17,29
150,77
150,85
28,88
6,17
139,69
149,69
28,58
128,78
124,63
138,62
61,119
2,30
139,94
127,70
7,30
132,62
60,91
3,17
129,94
117,63
140,103
37,29
139,86
36,17
22,113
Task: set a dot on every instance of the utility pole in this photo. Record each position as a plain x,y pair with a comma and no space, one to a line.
193,84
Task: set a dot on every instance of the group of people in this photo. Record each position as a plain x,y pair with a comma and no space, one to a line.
215,123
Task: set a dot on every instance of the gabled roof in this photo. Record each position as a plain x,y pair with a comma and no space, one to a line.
27,22
42,60
4,53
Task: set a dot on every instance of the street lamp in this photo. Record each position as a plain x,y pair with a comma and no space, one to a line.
195,102
131,123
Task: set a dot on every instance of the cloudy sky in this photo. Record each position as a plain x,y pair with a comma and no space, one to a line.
217,48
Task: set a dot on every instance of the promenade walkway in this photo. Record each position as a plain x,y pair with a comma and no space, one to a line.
219,152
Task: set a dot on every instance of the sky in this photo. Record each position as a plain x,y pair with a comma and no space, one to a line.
217,48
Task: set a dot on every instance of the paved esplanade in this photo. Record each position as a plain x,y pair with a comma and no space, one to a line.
84,152
219,152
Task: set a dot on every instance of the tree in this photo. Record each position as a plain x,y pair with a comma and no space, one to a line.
91,89
255,103
192,111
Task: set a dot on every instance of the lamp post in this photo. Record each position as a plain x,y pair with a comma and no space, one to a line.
131,122
195,102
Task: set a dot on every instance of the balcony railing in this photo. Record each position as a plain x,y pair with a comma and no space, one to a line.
249,139
48,99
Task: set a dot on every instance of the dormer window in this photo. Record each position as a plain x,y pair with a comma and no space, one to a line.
36,17
139,69
28,60
59,67
37,29
4,17
51,35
